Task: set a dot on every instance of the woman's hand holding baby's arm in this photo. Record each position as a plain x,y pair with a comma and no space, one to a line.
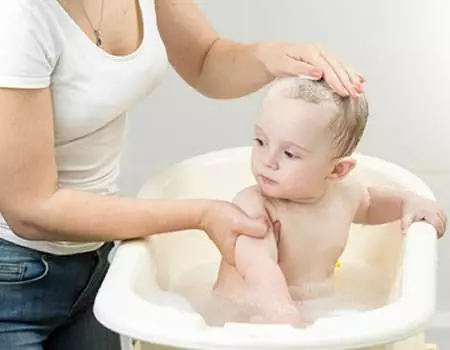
379,205
224,222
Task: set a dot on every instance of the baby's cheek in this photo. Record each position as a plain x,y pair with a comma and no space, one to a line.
296,183
286,185
254,165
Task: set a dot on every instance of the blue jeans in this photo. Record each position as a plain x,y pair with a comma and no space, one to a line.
46,300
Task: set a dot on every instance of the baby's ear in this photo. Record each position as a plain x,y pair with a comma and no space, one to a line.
341,168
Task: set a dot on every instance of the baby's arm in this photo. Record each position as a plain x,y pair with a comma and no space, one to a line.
257,262
377,205
380,205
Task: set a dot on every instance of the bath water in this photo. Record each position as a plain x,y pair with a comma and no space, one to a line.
192,292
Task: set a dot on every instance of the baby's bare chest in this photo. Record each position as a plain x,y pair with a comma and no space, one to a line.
310,232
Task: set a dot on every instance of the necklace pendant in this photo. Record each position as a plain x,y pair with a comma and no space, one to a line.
98,39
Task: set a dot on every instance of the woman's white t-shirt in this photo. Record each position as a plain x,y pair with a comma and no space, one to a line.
41,46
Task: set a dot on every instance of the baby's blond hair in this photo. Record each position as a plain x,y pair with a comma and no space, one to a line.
351,113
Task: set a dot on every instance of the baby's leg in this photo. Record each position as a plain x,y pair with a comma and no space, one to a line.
266,287
257,280
219,308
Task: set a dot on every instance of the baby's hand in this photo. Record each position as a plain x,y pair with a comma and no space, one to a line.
417,208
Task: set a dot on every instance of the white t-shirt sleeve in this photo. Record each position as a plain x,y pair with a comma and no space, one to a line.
27,48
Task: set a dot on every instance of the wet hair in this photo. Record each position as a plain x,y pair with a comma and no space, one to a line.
351,113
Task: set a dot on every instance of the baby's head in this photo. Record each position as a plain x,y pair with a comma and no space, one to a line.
305,135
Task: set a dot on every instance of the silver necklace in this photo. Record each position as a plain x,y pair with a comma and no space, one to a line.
96,30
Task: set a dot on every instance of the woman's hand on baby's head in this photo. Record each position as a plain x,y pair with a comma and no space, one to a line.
284,59
224,222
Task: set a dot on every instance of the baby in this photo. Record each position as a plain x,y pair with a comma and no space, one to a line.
304,137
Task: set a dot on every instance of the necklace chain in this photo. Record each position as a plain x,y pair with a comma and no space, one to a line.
96,30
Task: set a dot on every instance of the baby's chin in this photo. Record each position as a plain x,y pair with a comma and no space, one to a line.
274,192
281,194
273,189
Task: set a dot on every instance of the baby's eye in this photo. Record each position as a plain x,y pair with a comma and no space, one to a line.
291,155
258,141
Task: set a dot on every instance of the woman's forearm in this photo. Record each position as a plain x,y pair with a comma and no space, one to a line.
232,70
71,215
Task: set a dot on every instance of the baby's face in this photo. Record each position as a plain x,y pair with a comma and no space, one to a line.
292,152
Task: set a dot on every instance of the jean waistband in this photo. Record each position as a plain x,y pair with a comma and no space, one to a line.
102,251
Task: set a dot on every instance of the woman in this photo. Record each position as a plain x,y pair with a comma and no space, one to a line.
68,74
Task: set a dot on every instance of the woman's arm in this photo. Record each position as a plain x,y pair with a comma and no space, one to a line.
202,58
222,68
37,209
32,203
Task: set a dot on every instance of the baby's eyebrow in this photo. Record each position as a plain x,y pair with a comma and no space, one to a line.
259,129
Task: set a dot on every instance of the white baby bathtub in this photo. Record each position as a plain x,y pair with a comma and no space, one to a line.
142,298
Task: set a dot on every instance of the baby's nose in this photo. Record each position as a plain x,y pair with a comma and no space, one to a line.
270,162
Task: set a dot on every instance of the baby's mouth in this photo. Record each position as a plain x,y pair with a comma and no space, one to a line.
266,180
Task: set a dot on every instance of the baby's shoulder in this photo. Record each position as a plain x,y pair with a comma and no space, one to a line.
251,200
350,183
351,188
251,192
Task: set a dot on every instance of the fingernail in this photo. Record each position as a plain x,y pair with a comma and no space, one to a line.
316,73
360,87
